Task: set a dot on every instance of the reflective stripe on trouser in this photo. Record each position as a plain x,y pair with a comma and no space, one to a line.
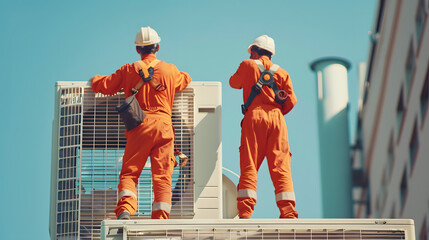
285,196
286,204
161,210
247,193
154,138
126,192
246,200
264,134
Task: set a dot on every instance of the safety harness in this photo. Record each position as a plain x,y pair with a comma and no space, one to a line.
152,81
266,79
158,87
130,111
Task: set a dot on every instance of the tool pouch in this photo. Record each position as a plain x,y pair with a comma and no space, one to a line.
131,113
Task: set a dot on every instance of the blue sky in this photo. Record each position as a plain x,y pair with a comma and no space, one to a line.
47,41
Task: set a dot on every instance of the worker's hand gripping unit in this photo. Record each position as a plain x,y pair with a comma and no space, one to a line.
268,80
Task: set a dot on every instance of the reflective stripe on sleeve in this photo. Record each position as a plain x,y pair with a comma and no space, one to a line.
247,193
126,192
274,68
285,196
161,206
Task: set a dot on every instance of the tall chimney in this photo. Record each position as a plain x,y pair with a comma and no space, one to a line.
332,113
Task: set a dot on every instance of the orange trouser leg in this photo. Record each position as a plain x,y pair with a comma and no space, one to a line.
160,214
162,164
287,209
133,161
153,137
278,158
252,153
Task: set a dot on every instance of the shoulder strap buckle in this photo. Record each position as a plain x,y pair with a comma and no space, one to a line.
149,68
150,71
267,79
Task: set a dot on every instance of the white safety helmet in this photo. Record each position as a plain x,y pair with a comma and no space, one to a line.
264,42
147,36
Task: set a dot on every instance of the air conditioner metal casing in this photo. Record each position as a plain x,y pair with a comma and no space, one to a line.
88,139
259,229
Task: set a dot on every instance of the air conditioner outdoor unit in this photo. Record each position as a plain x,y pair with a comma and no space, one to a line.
87,148
306,229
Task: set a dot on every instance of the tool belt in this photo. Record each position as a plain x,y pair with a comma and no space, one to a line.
130,111
266,79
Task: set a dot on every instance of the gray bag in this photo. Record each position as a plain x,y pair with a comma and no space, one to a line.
131,113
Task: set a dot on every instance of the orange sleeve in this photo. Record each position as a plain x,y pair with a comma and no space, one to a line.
182,79
291,100
236,79
109,85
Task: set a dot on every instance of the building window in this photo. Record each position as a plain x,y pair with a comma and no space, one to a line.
400,112
390,155
424,231
368,200
383,191
404,188
420,19
377,209
424,96
413,146
392,212
409,67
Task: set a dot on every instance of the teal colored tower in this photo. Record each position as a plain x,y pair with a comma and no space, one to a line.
332,112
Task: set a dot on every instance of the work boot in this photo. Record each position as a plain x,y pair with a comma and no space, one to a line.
125,215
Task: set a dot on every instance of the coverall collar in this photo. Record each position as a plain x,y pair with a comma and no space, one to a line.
148,57
264,58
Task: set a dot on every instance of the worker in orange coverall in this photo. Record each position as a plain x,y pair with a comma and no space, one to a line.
154,137
263,129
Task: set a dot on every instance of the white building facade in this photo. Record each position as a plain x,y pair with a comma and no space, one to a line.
391,152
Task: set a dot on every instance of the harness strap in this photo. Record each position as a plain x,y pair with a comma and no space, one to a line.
150,70
255,91
274,68
260,65
267,79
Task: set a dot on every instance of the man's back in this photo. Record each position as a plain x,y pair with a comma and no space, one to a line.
263,128
248,74
154,136
149,98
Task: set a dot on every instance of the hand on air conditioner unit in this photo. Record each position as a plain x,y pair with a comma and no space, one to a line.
183,159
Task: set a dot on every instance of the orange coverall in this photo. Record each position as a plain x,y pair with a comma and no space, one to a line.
154,137
264,134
